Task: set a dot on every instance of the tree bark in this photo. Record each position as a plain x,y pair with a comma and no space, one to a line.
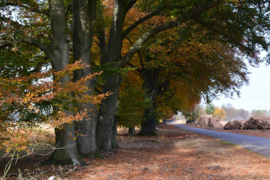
131,131
150,87
106,127
148,127
84,14
66,152
114,135
106,135
86,139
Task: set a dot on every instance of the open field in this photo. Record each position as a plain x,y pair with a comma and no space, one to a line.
255,132
172,154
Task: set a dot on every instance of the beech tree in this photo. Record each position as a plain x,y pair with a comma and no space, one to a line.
48,25
16,133
230,23
168,66
111,52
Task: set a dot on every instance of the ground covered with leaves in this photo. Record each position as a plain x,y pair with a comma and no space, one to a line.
172,154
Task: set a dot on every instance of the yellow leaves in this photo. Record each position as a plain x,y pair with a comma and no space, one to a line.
220,113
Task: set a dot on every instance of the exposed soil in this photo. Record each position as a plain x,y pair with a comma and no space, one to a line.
172,154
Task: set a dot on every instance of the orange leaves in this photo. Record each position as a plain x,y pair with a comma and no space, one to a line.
14,136
21,95
69,69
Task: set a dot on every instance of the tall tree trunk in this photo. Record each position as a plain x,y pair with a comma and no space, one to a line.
111,54
131,130
106,133
66,152
148,127
86,140
150,87
106,128
84,14
114,135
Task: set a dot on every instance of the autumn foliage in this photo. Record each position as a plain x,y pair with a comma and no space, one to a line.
21,95
168,54
220,113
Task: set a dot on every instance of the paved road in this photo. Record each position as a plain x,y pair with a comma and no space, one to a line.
260,145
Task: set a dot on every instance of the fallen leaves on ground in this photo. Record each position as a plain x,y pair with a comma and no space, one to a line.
172,154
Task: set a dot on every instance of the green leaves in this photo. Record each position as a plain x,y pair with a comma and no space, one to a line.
210,109
132,106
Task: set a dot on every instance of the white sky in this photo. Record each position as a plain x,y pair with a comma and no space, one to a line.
254,96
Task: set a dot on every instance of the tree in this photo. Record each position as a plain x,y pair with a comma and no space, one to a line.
84,15
20,93
234,114
162,69
192,116
239,24
112,53
210,109
53,39
259,112
131,103
220,113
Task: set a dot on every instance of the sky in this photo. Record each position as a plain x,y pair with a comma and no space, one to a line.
256,95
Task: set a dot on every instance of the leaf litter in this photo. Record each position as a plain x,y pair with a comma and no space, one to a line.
172,154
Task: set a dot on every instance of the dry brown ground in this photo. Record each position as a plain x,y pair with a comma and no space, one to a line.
172,154
255,132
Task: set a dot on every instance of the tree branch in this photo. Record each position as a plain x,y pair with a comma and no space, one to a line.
130,3
28,40
95,41
139,53
141,20
101,35
37,43
162,87
169,25
138,71
224,34
167,98
69,8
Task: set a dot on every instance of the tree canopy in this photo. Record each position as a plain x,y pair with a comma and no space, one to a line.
197,45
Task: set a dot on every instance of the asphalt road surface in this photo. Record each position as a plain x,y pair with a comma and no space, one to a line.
260,145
